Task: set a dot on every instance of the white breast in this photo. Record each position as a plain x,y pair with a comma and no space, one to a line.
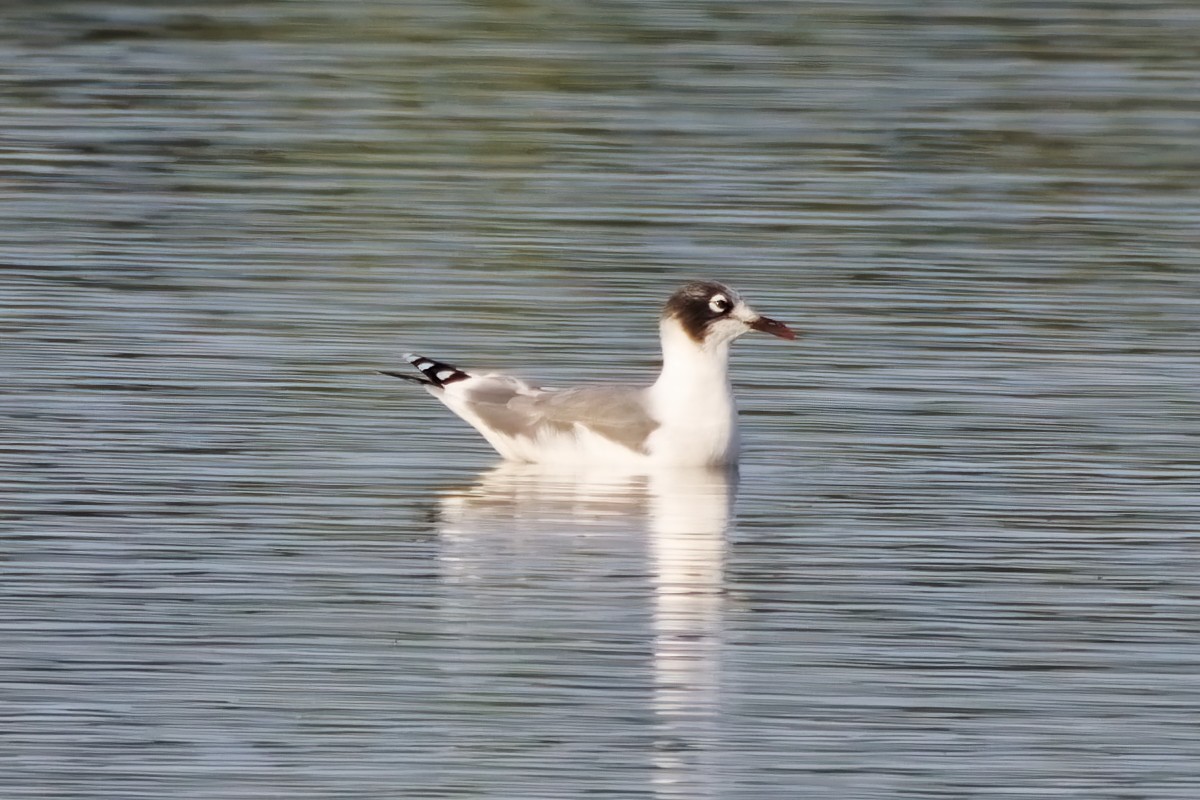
693,402
696,435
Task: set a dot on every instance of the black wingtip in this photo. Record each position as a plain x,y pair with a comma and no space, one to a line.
439,373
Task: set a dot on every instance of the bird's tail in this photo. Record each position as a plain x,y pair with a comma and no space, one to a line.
436,373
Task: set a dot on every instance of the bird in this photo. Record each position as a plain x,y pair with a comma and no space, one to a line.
686,418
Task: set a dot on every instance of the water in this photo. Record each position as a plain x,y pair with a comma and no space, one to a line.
959,559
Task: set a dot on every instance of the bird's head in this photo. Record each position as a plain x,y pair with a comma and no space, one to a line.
712,314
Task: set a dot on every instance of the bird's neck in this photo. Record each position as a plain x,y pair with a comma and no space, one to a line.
693,401
691,370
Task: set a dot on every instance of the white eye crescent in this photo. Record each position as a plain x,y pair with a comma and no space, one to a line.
720,304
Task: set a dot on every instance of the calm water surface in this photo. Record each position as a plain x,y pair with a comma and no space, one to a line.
959,560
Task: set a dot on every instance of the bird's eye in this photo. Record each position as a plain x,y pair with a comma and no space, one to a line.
720,304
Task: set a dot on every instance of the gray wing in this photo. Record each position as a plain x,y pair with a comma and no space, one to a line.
618,413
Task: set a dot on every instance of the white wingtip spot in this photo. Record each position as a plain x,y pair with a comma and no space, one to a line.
446,373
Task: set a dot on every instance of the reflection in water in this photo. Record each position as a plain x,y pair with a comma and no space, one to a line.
509,537
689,515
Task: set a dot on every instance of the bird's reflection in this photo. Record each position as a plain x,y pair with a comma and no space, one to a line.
689,519
521,522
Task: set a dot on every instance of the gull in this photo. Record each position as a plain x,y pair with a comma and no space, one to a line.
686,418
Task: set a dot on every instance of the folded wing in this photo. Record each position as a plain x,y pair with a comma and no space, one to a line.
512,408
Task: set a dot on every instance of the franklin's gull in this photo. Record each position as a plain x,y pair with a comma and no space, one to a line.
686,418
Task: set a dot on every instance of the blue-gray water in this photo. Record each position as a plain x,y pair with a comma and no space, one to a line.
959,561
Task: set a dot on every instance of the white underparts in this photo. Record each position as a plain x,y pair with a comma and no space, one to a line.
693,401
